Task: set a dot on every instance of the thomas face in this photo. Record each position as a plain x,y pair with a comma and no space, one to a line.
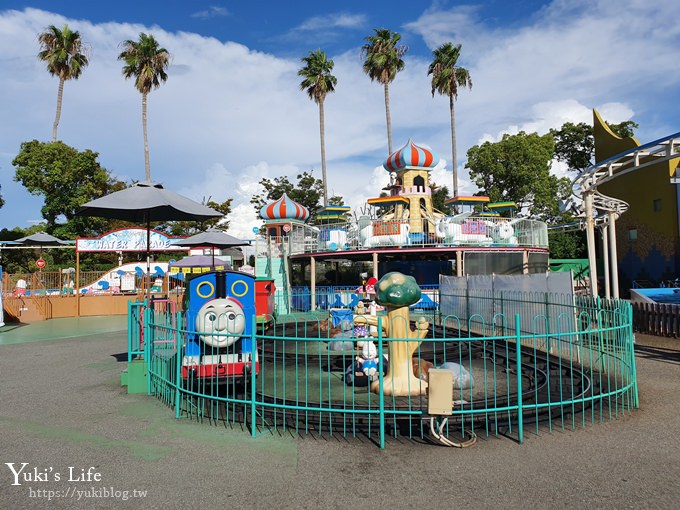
220,322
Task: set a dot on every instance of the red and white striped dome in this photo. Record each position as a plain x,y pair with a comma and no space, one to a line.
411,155
284,209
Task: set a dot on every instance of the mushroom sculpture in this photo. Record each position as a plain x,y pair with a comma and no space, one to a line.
396,292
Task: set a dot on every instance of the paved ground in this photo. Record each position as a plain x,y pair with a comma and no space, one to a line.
62,407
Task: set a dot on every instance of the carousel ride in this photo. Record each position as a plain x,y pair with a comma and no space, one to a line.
334,334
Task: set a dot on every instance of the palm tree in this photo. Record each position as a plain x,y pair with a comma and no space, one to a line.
382,63
63,51
317,82
446,78
146,62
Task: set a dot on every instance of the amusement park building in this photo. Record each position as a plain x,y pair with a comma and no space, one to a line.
403,232
648,239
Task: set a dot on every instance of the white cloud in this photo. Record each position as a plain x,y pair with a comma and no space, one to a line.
211,12
338,20
229,116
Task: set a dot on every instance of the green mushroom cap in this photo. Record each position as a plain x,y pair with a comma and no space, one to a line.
396,289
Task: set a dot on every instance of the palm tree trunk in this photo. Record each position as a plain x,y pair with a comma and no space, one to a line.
389,121
323,153
60,95
147,167
454,160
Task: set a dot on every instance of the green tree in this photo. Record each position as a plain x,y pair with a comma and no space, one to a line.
382,61
575,145
307,192
518,169
568,245
63,52
336,200
146,61
2,200
189,228
66,178
447,76
439,195
318,82
624,129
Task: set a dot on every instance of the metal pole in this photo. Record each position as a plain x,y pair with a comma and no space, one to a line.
590,233
605,260
614,256
518,367
77,289
312,273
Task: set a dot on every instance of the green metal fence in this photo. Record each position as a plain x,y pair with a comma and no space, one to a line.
521,364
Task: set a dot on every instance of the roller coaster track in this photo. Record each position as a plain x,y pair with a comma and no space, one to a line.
597,209
658,151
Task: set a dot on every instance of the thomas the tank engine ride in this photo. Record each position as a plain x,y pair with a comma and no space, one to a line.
220,320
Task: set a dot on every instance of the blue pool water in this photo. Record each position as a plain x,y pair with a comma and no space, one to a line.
666,295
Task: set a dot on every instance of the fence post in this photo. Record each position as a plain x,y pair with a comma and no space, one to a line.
631,345
178,365
130,322
518,345
381,381
147,344
253,369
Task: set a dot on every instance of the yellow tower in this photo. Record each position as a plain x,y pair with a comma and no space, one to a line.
410,195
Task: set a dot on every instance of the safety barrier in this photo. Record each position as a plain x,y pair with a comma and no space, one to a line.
513,373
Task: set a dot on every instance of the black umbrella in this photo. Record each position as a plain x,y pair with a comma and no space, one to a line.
145,202
40,239
212,238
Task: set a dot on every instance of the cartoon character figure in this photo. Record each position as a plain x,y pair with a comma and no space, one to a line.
364,369
220,322
368,361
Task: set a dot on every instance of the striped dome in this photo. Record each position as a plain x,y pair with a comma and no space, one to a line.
284,209
411,155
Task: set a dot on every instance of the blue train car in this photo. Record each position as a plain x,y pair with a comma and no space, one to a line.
219,318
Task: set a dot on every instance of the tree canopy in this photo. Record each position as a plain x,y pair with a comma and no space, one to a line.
64,53
318,82
447,76
575,145
439,195
66,178
517,168
189,228
307,192
146,62
382,61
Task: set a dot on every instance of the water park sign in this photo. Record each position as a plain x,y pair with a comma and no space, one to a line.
129,239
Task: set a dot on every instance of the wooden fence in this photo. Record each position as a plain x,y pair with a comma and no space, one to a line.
656,319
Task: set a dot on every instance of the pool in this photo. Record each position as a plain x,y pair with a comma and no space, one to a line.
670,295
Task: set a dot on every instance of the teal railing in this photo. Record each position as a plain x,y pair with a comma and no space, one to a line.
519,366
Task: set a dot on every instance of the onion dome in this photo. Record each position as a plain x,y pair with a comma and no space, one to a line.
411,155
284,209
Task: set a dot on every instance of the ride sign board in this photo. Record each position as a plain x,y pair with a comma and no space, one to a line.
40,263
129,239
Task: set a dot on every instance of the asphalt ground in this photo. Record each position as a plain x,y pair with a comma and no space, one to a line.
63,412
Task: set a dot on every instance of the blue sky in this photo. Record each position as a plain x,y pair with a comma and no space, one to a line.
231,112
